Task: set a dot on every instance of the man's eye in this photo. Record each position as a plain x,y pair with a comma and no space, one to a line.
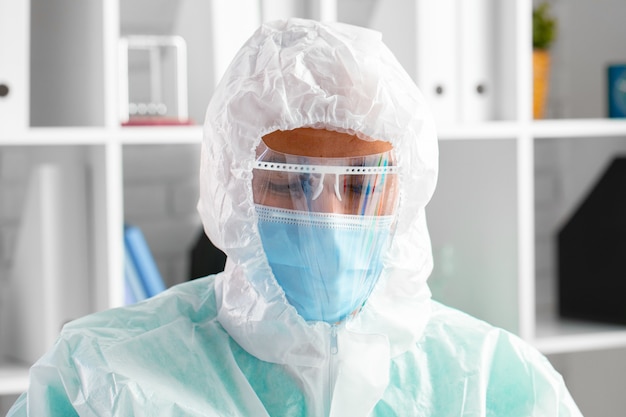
358,186
279,187
354,185
285,187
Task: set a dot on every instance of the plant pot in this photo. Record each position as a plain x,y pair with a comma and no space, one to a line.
541,77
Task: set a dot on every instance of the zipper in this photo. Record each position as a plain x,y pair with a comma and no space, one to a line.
334,349
333,340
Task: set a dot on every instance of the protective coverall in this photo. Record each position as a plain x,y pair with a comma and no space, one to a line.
231,344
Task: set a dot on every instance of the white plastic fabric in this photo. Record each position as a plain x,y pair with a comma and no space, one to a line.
231,344
304,74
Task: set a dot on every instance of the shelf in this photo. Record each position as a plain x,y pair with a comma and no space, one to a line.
13,379
578,128
555,335
160,134
101,136
193,134
538,129
543,129
478,131
54,136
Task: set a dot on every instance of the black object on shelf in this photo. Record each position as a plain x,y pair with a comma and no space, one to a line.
592,252
206,259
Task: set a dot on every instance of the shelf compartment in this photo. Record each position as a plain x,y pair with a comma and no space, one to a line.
473,228
566,170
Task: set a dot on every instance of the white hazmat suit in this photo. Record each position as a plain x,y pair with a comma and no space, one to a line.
231,344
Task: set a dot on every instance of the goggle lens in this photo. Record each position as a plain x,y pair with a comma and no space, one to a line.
364,185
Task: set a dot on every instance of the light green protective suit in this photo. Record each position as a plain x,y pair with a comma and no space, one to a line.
231,345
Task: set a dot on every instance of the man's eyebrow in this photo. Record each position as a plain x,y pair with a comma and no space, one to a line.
271,157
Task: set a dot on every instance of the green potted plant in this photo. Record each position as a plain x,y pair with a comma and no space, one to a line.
544,34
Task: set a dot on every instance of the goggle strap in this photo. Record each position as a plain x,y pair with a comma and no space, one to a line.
326,169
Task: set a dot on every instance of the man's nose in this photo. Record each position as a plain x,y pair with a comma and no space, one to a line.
329,201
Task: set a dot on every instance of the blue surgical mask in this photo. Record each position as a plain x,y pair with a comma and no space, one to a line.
327,264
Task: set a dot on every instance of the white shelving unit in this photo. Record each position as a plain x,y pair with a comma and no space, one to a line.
482,218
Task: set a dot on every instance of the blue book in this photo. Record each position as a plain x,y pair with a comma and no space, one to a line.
141,257
133,285
129,297
616,77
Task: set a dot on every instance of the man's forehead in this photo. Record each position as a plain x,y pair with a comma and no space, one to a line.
323,143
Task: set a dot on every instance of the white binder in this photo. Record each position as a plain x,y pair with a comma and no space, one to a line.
422,34
476,67
232,22
14,63
437,58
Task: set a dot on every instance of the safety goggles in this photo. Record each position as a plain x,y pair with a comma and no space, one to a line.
361,185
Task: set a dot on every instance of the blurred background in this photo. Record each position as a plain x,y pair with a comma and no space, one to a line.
101,107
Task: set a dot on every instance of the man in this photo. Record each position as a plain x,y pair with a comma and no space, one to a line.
319,157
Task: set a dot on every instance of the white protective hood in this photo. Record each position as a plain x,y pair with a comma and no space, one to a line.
301,73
